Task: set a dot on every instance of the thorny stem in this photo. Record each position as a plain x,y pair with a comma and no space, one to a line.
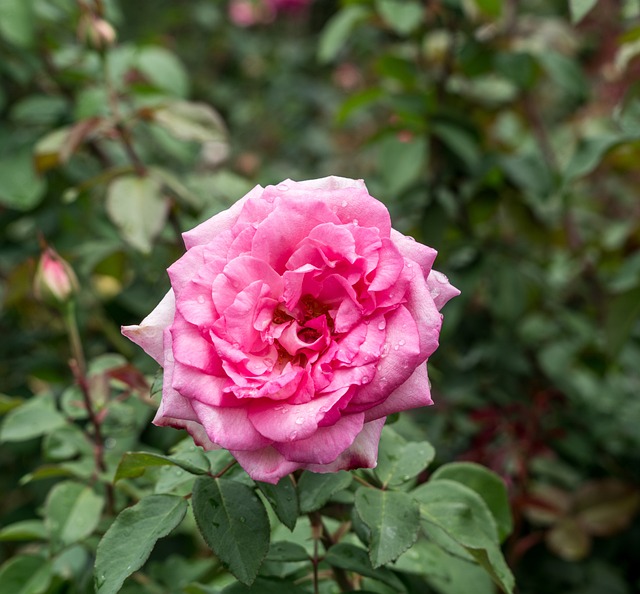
320,532
79,369
224,470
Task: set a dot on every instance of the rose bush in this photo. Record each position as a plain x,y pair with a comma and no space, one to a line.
297,321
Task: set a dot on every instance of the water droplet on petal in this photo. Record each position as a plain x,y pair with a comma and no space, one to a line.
355,222
343,203
364,380
382,325
396,347
401,342
293,435
299,420
282,187
200,298
169,357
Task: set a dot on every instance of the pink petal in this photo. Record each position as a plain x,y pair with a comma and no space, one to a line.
348,198
389,267
266,465
191,348
423,255
148,334
229,427
207,231
326,444
414,393
363,453
440,289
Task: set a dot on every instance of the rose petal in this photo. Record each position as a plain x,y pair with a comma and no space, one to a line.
414,393
440,289
326,444
149,333
363,453
422,254
266,465
207,231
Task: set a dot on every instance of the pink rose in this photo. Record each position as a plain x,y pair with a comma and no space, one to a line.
297,321
55,282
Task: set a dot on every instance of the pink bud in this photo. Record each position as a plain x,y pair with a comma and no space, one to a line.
55,282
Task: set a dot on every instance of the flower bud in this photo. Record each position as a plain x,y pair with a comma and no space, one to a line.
55,282
96,32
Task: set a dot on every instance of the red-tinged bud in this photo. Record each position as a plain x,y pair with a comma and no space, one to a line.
96,32
55,282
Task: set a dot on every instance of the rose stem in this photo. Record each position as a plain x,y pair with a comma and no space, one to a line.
320,532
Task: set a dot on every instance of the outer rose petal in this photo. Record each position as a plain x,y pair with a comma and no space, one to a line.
265,465
148,334
440,288
224,220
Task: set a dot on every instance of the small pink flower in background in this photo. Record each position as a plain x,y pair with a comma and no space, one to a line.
247,13
298,319
55,282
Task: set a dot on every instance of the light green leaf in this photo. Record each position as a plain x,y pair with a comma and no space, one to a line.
186,120
393,519
21,188
403,16
580,8
24,530
72,512
314,489
134,464
164,70
283,498
17,22
400,461
464,516
401,163
338,29
131,538
353,558
138,208
590,153
234,523
485,483
25,575
36,417
8,403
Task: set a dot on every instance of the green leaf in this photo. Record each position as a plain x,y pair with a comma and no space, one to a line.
464,516
400,461
393,519
131,538
8,403
25,575
72,512
283,498
590,153
403,16
338,30
36,417
580,8
234,523
621,312
186,120
266,586
460,142
17,22
138,208
485,483
164,70
24,530
314,489
287,551
401,163
353,558
134,464
21,188
490,8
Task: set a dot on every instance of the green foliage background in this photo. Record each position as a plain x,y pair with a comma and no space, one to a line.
506,134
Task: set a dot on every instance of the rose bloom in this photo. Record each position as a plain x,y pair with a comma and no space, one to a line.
298,319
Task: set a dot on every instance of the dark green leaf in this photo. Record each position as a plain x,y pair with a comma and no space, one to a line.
393,519
314,489
133,464
353,558
464,516
283,498
400,461
485,483
25,575
36,417
590,153
265,586
621,312
131,538
234,523
287,551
